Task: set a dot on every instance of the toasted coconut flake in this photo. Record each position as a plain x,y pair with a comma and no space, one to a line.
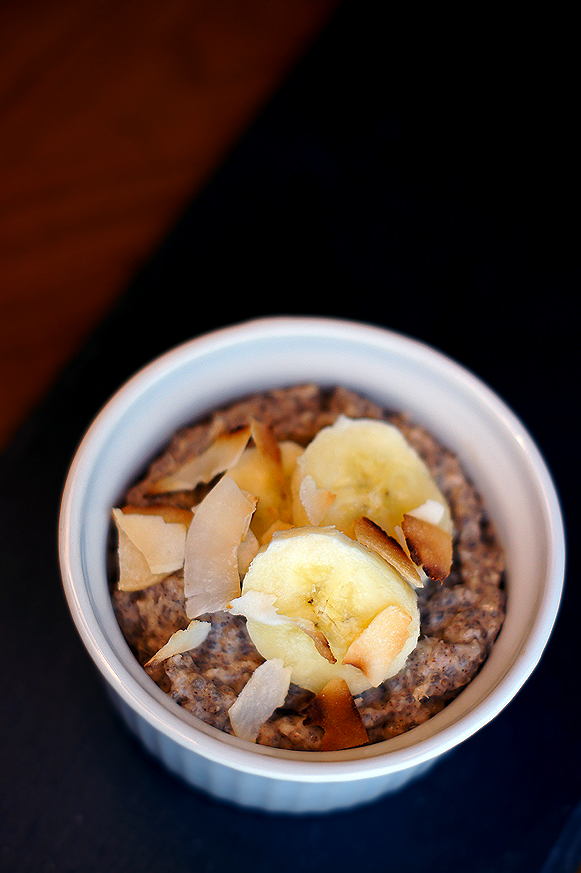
429,546
264,469
290,453
220,524
266,442
270,451
374,537
149,549
182,641
318,637
316,501
402,542
375,649
224,452
255,472
266,690
334,710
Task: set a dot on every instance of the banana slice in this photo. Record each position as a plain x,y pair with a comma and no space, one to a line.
331,588
371,470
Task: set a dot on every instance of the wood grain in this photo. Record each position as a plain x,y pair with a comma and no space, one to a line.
112,117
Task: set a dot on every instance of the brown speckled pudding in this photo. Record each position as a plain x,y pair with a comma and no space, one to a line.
460,618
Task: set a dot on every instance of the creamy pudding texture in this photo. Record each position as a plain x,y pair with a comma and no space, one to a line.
459,617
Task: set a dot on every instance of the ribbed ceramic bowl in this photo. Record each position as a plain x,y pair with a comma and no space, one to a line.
398,372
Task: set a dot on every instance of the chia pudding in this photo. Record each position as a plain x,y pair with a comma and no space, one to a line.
460,617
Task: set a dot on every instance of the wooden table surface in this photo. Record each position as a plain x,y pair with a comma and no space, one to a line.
113,114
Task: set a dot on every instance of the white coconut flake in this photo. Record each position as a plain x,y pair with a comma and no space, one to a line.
182,641
258,606
316,501
431,510
401,539
266,690
219,525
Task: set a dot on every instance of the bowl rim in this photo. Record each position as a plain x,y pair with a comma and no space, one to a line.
148,701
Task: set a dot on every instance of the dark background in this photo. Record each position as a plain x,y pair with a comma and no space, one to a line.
412,172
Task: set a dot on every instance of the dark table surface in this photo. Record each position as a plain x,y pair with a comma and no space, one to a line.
401,177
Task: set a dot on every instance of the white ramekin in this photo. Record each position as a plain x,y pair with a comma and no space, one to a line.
398,372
